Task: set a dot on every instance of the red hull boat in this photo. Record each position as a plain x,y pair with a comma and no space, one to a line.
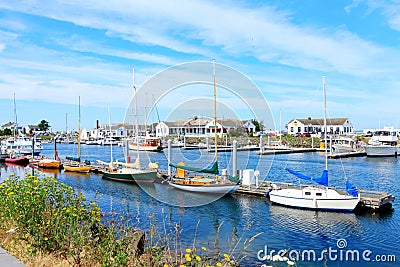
19,161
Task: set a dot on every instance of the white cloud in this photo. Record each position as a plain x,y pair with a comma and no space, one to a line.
82,44
189,27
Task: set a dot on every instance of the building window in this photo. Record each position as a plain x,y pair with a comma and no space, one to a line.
291,129
299,129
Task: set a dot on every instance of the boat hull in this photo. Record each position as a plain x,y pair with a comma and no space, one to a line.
145,148
137,177
381,151
18,161
331,201
208,188
81,169
49,164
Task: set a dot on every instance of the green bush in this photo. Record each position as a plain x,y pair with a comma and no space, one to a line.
51,218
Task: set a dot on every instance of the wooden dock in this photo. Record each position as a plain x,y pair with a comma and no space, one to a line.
375,200
271,151
369,200
346,155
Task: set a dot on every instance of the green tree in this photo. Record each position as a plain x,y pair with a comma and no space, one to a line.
7,131
44,125
259,125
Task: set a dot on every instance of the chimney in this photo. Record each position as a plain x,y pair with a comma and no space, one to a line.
309,118
97,124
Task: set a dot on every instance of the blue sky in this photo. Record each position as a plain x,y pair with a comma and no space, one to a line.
53,51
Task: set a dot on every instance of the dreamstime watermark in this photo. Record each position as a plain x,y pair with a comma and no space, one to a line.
340,252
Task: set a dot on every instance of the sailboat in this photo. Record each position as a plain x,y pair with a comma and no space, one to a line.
75,164
199,184
130,172
316,197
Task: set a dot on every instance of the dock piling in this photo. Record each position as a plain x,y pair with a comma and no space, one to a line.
234,158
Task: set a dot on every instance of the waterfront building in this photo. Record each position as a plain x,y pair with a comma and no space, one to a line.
202,127
341,126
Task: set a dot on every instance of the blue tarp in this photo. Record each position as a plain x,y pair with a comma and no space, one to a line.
351,189
323,180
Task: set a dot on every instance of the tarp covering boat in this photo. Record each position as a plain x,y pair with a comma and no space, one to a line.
351,189
73,158
213,169
323,180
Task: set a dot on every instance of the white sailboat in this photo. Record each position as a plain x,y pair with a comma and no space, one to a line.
199,184
316,197
128,172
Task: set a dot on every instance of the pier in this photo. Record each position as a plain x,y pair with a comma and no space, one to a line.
346,155
277,150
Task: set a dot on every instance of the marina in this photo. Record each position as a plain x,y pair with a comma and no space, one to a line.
249,203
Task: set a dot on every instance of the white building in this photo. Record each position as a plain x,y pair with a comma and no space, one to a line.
341,126
198,127
249,126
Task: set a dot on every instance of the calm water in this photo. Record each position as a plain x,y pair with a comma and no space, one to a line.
281,228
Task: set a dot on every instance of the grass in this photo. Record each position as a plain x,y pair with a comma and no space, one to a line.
46,223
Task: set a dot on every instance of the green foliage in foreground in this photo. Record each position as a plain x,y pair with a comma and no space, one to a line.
50,217
41,216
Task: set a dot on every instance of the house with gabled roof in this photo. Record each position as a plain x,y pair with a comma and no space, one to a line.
341,126
197,127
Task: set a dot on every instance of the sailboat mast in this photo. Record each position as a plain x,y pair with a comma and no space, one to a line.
215,114
15,117
109,126
325,129
79,129
136,115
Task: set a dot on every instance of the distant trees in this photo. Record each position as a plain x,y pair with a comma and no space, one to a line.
44,125
259,125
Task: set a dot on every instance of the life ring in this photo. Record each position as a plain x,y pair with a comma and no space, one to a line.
42,157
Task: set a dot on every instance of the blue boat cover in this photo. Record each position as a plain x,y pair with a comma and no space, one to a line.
323,180
351,189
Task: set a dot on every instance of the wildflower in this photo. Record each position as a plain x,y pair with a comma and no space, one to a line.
188,250
203,248
12,230
226,256
187,257
290,262
11,193
35,181
67,210
166,265
218,264
45,239
198,258
277,258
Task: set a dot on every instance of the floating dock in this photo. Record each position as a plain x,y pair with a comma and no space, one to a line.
369,200
272,150
346,155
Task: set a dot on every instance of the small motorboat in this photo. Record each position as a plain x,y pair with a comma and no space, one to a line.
49,164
